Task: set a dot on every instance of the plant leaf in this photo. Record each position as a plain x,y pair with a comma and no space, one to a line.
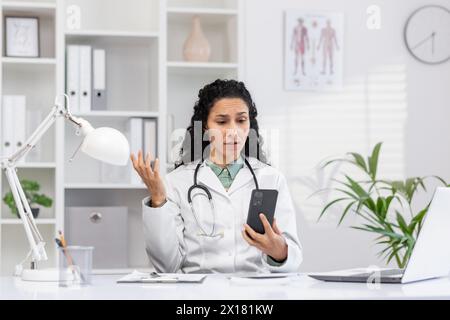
402,223
373,161
359,160
417,219
357,188
345,212
394,252
329,205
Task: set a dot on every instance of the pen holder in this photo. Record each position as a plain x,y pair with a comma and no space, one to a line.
75,265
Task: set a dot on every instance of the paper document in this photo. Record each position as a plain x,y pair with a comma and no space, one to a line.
153,277
262,278
261,275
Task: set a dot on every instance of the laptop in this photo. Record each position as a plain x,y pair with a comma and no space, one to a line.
429,259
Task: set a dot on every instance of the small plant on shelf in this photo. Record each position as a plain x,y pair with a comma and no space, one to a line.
31,189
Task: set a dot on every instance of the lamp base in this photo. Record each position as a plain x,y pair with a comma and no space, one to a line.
45,275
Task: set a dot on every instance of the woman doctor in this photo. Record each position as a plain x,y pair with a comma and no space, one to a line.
185,231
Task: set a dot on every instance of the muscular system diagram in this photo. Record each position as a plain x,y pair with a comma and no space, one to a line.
299,43
329,44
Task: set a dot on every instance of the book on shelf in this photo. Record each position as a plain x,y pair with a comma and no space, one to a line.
86,78
13,123
143,136
99,79
150,137
73,77
135,137
175,139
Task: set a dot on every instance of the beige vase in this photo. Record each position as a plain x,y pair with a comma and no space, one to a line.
196,48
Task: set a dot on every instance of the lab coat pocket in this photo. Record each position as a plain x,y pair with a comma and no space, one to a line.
210,252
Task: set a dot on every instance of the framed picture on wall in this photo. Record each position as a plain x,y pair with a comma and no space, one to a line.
22,37
314,50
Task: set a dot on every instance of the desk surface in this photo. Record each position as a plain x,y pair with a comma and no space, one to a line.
221,287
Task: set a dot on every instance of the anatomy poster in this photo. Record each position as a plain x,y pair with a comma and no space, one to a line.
313,50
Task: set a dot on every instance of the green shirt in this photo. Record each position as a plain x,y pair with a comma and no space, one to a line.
226,175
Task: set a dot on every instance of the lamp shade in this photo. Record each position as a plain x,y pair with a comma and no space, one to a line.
106,144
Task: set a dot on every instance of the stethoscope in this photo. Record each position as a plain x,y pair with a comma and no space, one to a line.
213,233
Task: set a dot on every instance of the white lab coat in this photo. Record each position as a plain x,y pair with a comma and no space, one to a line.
171,233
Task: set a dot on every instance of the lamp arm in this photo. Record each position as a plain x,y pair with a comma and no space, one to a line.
34,237
58,110
9,164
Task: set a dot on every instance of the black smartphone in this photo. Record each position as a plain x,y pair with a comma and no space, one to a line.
262,201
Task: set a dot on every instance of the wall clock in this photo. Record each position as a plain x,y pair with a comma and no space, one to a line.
427,34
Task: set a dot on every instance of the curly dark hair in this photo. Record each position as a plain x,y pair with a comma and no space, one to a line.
207,97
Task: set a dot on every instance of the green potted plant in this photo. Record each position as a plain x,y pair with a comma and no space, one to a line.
385,206
31,189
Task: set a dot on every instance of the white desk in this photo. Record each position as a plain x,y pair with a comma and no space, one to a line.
220,287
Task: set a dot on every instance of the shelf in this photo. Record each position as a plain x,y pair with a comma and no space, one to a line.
29,7
116,18
203,4
109,34
19,221
206,65
201,11
119,114
38,61
207,16
37,165
75,186
209,68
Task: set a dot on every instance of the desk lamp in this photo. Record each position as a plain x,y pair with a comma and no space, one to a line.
105,144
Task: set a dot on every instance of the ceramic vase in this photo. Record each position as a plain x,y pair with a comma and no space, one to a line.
196,47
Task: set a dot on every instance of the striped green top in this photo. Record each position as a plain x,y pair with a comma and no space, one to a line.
227,174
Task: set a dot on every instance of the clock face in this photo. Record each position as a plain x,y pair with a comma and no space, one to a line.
427,34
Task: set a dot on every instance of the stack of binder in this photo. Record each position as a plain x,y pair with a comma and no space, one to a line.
13,123
86,78
142,136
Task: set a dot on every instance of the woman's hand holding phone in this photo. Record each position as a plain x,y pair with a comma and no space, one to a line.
271,242
150,176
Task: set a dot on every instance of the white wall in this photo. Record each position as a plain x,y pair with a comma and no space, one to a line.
387,96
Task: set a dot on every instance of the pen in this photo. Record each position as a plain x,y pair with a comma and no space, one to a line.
58,243
61,237
61,242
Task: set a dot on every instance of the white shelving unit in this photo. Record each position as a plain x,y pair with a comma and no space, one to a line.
17,221
27,6
37,165
36,79
146,78
119,114
105,186
42,61
111,34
